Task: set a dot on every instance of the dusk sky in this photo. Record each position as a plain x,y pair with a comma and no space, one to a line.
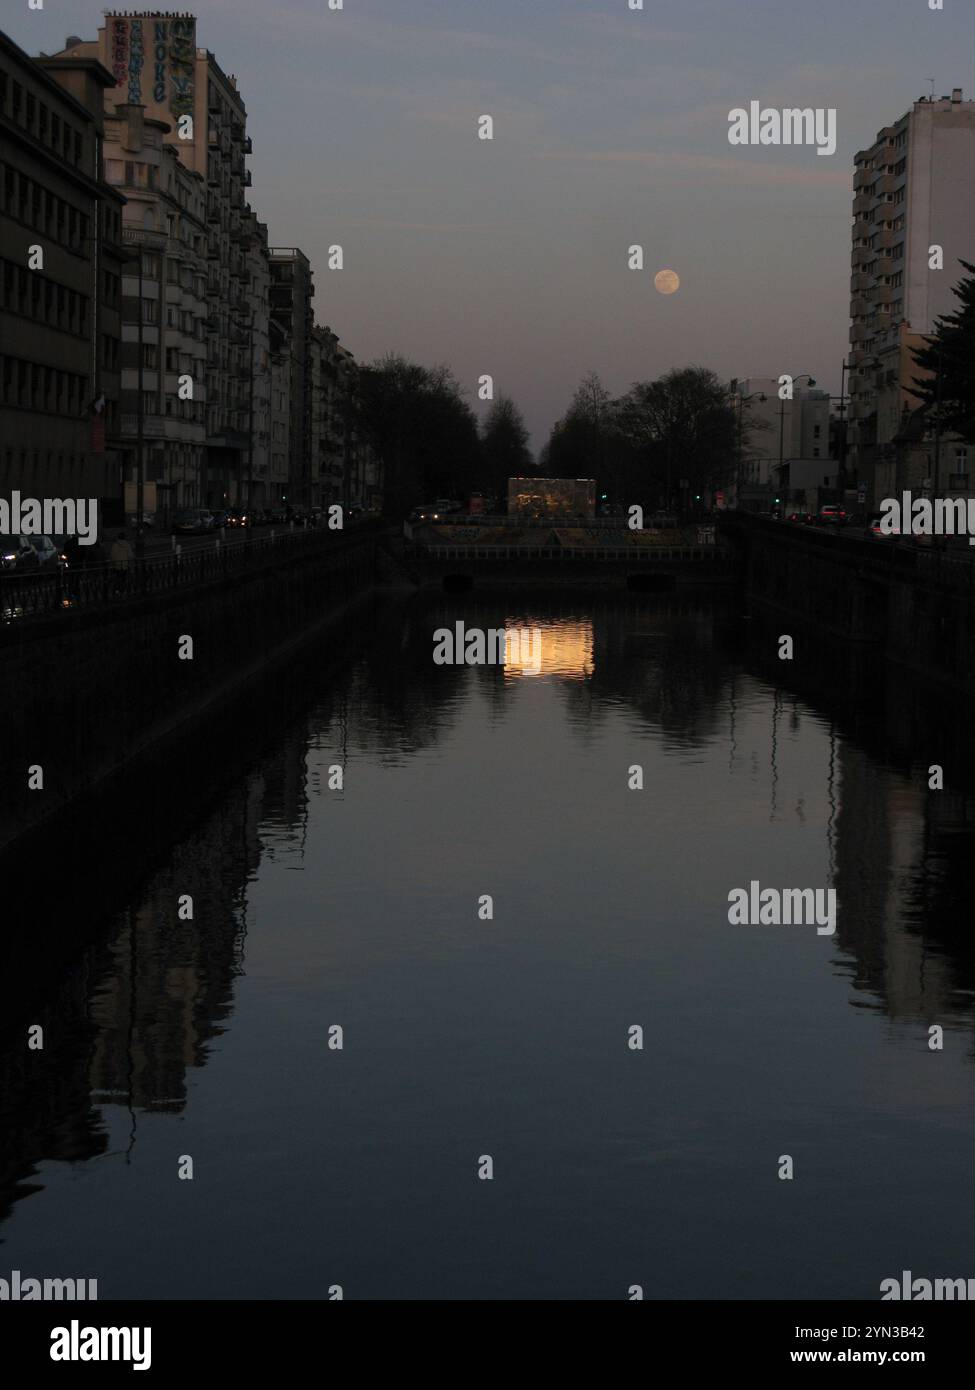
610,128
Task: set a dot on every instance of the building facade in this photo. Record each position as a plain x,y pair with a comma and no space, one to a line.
157,65
914,199
292,290
60,283
785,444
164,311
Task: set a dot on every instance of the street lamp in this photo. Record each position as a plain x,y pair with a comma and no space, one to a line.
741,400
793,379
841,462
130,256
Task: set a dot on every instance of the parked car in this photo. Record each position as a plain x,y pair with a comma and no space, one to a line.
48,554
192,522
873,528
802,518
832,516
218,520
427,511
17,553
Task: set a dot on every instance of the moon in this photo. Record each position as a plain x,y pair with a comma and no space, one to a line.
666,282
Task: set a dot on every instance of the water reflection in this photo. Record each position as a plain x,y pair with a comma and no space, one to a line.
313,899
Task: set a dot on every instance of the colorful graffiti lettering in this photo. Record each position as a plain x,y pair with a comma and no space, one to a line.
182,53
120,51
160,53
135,62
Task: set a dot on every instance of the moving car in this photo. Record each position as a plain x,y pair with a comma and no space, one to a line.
17,553
873,528
192,522
48,554
832,516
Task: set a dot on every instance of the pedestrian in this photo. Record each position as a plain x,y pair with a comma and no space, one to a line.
120,557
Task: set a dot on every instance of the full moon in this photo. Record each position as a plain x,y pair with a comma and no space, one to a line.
666,281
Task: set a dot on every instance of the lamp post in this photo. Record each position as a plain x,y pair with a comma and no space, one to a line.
741,399
937,419
794,379
841,462
136,255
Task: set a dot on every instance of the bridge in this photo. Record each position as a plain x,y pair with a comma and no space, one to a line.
486,551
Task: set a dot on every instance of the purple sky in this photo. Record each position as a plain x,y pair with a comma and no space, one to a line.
509,257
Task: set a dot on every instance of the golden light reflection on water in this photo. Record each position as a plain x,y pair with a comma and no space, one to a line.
563,649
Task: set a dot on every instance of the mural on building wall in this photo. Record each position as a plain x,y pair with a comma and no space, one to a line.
169,72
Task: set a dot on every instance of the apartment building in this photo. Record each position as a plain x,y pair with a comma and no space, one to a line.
164,311
292,290
914,200
157,65
60,282
786,449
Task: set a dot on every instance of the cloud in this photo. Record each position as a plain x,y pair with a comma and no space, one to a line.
735,168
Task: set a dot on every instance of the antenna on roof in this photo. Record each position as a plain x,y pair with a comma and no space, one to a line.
931,80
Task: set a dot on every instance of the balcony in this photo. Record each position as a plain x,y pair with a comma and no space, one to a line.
862,255
859,281
859,307
863,178
880,294
883,265
248,145
861,229
888,239
887,183
247,178
858,333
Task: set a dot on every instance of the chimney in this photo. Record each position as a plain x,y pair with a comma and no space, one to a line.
72,41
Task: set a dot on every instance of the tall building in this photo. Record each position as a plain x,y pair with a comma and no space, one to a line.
164,310
785,444
292,290
157,65
60,286
914,190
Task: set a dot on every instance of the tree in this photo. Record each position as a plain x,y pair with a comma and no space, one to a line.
950,352
684,426
419,424
587,443
504,446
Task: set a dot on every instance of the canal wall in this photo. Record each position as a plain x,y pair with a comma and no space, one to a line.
89,693
914,606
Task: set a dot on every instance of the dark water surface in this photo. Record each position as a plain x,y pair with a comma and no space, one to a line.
359,907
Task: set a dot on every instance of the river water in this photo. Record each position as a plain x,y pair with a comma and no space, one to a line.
318,906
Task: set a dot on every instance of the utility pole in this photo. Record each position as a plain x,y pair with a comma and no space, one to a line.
250,414
140,429
937,420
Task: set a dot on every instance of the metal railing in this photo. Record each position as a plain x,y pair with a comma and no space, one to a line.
638,554
25,596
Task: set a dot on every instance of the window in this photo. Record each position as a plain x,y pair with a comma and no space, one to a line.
150,355
150,311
